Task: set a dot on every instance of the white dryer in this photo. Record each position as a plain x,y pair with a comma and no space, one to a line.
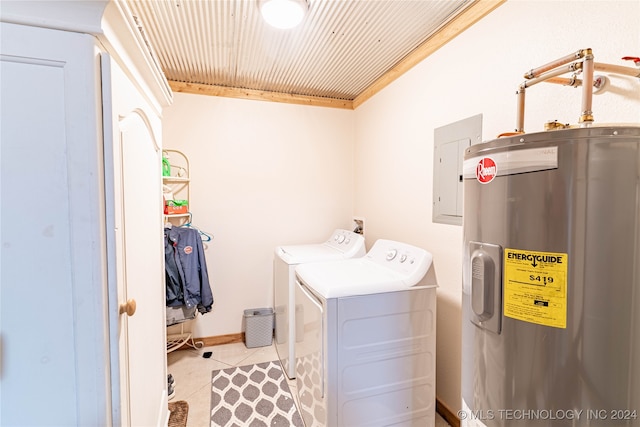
367,357
342,244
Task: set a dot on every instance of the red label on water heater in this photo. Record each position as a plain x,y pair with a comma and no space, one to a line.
486,170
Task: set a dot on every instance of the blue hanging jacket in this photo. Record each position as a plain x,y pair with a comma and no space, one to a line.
186,270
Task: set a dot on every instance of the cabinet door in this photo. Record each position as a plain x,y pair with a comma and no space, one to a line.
133,155
53,308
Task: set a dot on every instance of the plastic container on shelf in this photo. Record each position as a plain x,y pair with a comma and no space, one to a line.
166,166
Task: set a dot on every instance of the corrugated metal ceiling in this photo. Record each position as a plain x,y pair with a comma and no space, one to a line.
341,48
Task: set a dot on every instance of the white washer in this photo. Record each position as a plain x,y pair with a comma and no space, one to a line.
342,244
367,357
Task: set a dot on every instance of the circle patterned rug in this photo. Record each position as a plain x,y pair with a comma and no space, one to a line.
252,396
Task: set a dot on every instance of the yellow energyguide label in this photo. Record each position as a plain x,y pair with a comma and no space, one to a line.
535,287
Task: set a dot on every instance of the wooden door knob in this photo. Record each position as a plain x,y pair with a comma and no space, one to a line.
129,307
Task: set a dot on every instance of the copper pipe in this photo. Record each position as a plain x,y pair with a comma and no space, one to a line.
534,72
552,71
565,81
541,78
598,82
587,88
617,69
520,110
575,66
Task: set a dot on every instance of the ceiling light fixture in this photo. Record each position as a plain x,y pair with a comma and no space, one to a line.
283,14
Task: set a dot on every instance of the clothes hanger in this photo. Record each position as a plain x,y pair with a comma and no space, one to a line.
206,237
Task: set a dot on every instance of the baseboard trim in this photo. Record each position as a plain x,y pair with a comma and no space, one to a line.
221,339
446,413
212,341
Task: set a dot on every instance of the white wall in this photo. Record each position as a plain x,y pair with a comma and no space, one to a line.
478,72
262,175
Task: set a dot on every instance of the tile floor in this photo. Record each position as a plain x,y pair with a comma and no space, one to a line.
192,374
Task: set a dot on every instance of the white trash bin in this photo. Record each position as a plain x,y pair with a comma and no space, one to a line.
259,327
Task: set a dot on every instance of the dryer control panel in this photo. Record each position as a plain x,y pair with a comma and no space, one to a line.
403,258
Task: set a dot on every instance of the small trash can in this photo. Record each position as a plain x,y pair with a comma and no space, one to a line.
259,327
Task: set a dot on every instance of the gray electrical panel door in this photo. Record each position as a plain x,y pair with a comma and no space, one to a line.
450,142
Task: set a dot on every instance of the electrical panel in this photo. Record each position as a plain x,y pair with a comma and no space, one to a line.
450,142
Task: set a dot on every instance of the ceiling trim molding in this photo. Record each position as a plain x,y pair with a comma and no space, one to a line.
259,95
448,32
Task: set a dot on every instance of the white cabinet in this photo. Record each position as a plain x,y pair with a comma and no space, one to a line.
54,297
80,230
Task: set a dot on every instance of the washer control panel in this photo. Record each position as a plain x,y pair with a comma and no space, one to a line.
345,240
